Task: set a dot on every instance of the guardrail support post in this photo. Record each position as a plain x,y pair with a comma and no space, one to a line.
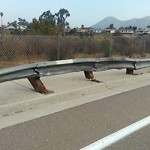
89,75
38,85
129,71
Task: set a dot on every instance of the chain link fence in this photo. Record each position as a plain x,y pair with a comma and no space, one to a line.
131,46
17,50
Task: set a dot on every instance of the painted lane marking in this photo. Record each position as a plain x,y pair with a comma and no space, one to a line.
109,140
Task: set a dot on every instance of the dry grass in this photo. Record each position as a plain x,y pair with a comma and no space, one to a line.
18,50
31,59
22,60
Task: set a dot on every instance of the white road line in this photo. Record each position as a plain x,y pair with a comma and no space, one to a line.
109,140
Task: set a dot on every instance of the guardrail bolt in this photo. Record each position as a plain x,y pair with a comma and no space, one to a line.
129,71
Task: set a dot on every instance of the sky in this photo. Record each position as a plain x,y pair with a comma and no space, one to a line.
86,12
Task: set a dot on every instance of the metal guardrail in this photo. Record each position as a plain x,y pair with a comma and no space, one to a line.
89,65
64,66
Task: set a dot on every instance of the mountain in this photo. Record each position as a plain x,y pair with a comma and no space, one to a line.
138,22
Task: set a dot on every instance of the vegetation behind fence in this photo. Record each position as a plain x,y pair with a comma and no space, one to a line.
16,50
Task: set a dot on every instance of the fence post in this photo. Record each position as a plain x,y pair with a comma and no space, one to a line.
58,47
145,37
110,47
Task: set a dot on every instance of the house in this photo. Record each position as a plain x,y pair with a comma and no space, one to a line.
139,31
85,31
110,30
126,31
97,31
88,31
82,30
146,31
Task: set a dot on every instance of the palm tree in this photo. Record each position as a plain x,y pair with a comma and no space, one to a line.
1,14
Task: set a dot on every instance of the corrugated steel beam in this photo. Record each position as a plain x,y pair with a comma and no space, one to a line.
36,70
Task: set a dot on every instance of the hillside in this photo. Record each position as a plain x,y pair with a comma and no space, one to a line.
139,22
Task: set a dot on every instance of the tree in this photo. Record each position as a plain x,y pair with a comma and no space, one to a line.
82,26
130,27
22,22
13,24
61,17
34,27
111,26
148,26
47,23
42,27
73,31
18,26
14,27
48,16
134,28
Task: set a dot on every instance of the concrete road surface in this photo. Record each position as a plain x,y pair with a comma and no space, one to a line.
77,127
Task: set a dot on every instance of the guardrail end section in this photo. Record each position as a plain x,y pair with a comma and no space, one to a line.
38,85
129,71
89,75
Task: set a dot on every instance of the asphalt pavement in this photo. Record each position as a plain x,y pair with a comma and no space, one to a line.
140,140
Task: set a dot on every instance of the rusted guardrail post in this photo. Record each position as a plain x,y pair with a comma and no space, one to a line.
89,75
38,85
129,71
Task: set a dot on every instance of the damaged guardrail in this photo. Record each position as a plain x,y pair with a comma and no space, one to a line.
89,65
